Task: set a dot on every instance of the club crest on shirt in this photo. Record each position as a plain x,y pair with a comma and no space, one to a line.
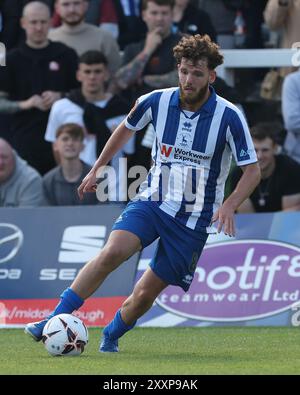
184,140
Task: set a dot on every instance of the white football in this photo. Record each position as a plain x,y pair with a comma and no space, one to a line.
65,334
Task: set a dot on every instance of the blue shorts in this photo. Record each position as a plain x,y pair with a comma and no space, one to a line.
179,247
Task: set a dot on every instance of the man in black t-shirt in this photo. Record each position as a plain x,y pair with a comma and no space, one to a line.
279,188
37,73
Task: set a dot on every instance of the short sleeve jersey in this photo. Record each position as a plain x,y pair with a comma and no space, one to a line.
191,153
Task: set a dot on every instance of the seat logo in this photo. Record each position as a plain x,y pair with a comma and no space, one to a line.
11,240
81,243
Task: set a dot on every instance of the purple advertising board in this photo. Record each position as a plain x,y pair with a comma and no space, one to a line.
253,279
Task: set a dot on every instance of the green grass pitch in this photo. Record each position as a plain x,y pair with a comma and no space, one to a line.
200,351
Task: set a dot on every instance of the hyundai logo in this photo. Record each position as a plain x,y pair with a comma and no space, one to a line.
11,240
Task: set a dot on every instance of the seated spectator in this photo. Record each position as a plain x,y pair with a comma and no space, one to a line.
20,184
11,33
291,114
279,189
119,17
149,64
82,36
283,16
192,20
37,73
93,108
61,183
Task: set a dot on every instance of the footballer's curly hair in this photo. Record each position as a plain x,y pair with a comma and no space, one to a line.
198,47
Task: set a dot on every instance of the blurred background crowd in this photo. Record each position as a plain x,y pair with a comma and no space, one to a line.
74,69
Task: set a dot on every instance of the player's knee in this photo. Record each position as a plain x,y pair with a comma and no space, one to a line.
111,256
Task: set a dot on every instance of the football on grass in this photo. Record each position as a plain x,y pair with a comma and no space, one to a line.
65,334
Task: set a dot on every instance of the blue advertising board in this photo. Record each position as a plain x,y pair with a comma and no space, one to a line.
41,252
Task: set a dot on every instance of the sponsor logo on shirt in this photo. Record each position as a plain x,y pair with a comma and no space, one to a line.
184,139
189,155
166,151
187,126
243,153
182,154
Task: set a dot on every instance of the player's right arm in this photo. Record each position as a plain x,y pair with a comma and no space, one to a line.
139,116
117,140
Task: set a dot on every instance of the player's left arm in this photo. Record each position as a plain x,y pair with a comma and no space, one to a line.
239,139
246,185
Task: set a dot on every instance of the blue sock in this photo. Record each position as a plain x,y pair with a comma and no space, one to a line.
69,302
117,327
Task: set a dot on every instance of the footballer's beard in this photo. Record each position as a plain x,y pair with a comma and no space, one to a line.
197,98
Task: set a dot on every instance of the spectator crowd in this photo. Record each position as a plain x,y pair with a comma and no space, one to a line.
74,69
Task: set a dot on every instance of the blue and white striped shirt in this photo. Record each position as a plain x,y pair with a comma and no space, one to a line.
191,153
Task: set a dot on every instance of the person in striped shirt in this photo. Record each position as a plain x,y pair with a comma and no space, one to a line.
197,132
